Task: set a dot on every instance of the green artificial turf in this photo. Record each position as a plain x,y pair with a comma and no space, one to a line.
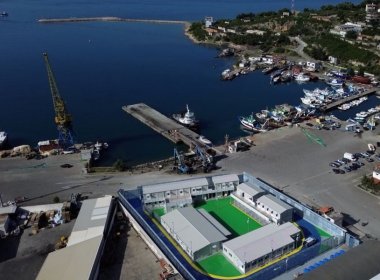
159,211
237,222
218,265
322,233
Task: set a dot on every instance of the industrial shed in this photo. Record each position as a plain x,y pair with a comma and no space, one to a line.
260,246
81,258
197,236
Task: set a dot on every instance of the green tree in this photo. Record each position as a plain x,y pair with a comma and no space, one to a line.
351,35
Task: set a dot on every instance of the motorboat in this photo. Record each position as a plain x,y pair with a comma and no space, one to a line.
362,114
204,140
187,119
335,83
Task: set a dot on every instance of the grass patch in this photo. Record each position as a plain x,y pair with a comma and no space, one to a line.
218,265
237,222
159,211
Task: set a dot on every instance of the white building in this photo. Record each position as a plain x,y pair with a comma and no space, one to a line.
313,66
249,193
279,211
341,30
176,194
197,235
255,31
376,174
260,246
209,21
372,13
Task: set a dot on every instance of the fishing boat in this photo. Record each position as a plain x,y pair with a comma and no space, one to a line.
186,119
251,124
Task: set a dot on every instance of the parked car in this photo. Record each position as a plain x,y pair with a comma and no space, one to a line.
360,163
340,161
345,160
369,159
336,170
66,165
347,169
365,155
333,164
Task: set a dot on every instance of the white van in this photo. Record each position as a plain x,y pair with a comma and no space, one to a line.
349,156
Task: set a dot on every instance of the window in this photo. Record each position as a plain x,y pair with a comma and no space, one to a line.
230,255
267,208
271,212
225,250
276,215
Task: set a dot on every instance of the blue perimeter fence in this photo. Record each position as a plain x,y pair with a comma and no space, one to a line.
131,201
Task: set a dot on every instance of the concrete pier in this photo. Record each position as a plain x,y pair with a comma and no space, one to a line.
337,103
167,127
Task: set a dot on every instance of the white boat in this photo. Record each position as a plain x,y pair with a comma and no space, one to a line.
3,138
335,82
302,78
204,140
187,119
362,114
251,124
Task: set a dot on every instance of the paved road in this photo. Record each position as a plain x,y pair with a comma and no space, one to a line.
300,47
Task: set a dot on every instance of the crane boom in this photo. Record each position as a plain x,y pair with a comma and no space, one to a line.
62,117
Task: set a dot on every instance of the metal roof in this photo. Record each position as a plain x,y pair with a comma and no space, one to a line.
251,190
274,203
214,222
176,185
192,228
225,178
11,209
91,220
72,262
262,241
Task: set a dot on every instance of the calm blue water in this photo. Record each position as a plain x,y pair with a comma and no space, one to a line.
100,67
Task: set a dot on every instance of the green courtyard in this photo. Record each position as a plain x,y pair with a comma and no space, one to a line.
218,265
237,222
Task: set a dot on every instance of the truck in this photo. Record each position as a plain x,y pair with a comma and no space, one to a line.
349,156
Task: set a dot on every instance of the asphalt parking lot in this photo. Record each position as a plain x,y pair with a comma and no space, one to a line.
300,167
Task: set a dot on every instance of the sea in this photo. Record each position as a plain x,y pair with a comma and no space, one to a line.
101,66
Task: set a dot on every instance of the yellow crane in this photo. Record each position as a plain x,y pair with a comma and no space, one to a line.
62,117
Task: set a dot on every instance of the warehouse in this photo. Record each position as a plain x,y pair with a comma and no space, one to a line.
276,209
81,258
197,236
260,246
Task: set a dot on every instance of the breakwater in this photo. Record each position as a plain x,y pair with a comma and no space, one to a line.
110,19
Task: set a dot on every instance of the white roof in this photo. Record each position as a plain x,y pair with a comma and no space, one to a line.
91,220
262,241
274,203
225,178
192,228
72,262
176,185
251,190
11,209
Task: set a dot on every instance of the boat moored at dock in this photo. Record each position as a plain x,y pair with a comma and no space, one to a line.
187,119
